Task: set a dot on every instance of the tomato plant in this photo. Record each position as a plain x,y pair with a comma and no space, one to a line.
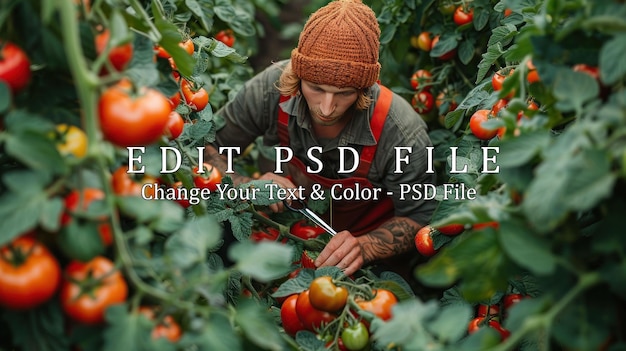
226,36
196,98
207,177
14,66
77,203
446,56
306,230
480,322
90,288
119,56
289,317
325,295
131,116
29,274
423,102
166,327
463,16
476,125
421,79
310,316
424,241
355,337
381,303
175,125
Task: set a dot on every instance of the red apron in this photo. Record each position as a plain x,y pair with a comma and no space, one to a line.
358,217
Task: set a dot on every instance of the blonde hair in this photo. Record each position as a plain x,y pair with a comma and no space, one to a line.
289,84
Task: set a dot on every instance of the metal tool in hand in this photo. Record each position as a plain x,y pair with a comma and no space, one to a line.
300,206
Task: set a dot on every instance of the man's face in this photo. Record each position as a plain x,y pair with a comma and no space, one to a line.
328,104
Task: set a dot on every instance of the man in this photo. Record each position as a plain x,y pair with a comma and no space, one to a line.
327,96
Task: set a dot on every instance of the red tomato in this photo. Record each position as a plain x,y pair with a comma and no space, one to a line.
507,12
380,305
119,56
310,317
532,75
424,241
133,118
446,56
175,100
306,230
79,201
187,45
442,97
479,322
180,199
593,71
29,274
166,328
476,121
209,178
421,79
307,259
463,16
226,36
511,299
197,99
289,316
90,288
423,102
14,66
265,234
324,295
479,226
499,105
497,80
174,126
125,184
451,229
492,310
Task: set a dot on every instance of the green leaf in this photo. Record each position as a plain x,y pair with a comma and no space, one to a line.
215,333
80,240
170,39
572,89
445,44
408,325
518,151
489,59
258,325
190,245
38,329
612,66
526,249
130,331
36,151
5,97
51,213
450,324
19,213
590,181
502,34
263,261
466,51
203,13
388,34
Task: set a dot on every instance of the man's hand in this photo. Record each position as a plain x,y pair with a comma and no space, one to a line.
283,182
344,251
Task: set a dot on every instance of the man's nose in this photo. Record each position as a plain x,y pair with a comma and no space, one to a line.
327,105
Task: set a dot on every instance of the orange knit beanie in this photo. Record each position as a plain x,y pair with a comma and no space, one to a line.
339,46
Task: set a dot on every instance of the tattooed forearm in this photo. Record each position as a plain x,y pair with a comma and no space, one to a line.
394,237
212,157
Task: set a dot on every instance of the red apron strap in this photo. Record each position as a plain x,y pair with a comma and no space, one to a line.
283,123
377,123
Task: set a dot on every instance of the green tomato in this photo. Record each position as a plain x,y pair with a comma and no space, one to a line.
355,337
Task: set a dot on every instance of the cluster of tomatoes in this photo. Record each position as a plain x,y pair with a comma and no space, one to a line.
331,309
477,122
492,316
